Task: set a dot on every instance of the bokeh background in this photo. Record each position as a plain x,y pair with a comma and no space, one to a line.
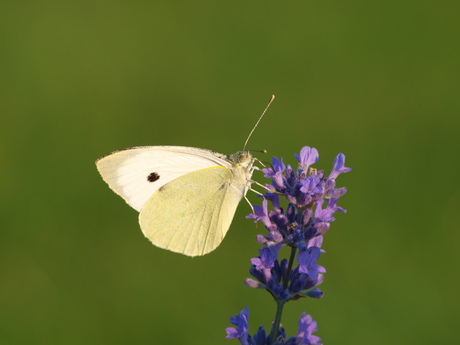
376,80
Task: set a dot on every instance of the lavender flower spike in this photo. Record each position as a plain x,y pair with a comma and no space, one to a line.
311,200
304,335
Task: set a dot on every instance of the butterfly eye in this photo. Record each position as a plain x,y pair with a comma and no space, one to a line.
153,177
245,156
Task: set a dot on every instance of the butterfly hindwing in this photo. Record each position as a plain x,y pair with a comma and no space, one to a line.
195,223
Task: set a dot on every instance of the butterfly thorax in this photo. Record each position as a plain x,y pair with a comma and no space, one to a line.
242,169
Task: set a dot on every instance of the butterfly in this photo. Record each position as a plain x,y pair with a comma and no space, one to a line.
186,196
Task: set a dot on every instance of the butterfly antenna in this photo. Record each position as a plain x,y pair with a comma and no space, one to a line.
257,123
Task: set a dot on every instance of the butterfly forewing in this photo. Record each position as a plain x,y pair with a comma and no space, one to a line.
136,173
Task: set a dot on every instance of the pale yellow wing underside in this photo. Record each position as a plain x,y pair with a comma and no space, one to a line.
191,214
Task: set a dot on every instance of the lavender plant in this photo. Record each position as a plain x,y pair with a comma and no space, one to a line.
312,200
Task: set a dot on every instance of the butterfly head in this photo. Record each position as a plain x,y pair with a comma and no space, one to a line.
242,158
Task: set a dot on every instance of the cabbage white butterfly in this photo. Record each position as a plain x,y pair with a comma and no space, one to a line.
186,196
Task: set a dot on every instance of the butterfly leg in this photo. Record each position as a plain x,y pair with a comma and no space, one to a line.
260,185
250,205
260,162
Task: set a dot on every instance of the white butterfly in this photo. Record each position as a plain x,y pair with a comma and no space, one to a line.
186,196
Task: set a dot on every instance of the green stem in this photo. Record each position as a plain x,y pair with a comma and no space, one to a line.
277,322
280,304
288,272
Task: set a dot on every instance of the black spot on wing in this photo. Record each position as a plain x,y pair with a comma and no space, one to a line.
153,177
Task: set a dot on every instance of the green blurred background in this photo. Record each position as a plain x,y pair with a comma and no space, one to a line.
376,80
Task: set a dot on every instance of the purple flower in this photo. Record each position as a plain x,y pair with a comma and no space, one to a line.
266,260
267,257
339,166
261,213
304,335
307,262
276,172
311,199
311,185
306,327
277,167
307,157
315,293
241,322
260,338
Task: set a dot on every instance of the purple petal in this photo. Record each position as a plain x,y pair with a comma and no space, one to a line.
339,166
307,157
316,241
278,165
